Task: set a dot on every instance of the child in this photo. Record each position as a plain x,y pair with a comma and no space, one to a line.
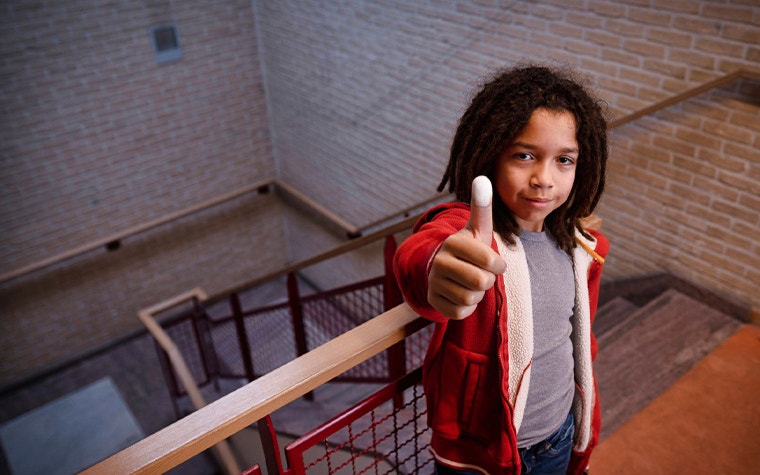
511,281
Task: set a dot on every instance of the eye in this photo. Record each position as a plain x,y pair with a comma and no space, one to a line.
566,160
523,156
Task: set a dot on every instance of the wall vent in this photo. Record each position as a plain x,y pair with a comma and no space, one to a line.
165,43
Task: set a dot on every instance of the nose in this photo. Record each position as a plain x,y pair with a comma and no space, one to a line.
541,176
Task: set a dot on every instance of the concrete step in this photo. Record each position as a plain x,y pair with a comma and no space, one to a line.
613,314
653,347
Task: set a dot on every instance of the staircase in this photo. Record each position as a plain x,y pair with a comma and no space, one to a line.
643,350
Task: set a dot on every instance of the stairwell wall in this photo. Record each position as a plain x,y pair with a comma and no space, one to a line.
366,95
97,137
354,104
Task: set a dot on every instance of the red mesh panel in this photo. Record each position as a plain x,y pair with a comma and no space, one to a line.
371,437
329,314
184,336
226,347
270,333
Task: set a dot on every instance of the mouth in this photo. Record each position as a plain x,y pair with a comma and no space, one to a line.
538,202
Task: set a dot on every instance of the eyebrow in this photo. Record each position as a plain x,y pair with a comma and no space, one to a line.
534,147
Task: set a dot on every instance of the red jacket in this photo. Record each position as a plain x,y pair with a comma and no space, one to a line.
476,371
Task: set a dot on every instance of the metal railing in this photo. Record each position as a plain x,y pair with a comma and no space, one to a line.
374,436
250,404
246,343
198,347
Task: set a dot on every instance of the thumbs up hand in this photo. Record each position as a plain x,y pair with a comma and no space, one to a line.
466,266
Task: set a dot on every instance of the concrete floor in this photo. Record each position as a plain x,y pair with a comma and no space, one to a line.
71,433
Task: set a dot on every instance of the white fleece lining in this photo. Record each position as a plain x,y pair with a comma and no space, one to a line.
584,376
520,335
519,325
461,466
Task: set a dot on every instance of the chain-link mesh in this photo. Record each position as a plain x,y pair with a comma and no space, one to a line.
330,314
226,348
416,347
271,338
184,336
376,439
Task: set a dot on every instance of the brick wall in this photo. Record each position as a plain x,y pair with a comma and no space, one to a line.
96,137
365,97
684,192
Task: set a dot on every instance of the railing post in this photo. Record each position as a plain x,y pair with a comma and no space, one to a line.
296,314
391,292
270,446
242,334
203,338
169,377
392,297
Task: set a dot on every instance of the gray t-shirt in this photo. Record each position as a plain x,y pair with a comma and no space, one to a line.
552,385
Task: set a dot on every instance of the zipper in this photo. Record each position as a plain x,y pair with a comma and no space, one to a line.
501,346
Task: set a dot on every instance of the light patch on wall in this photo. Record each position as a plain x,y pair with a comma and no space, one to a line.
165,42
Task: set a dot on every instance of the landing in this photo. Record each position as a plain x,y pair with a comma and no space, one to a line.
707,422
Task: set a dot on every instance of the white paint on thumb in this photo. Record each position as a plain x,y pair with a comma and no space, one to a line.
482,191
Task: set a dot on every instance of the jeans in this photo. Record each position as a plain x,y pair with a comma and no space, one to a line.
549,457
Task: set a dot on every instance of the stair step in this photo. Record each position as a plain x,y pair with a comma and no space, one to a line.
626,322
651,349
612,314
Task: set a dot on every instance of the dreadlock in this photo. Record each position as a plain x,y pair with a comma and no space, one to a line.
499,112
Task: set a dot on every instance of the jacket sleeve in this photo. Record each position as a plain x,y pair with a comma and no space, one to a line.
414,256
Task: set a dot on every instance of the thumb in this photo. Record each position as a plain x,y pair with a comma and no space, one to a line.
481,214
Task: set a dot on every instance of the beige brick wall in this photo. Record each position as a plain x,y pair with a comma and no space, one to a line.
52,315
96,137
365,97
684,192
353,103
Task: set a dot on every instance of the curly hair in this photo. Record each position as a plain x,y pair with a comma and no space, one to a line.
499,112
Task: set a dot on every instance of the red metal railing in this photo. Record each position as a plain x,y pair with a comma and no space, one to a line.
375,436
386,433
245,343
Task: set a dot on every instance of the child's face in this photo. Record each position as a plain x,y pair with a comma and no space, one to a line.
535,173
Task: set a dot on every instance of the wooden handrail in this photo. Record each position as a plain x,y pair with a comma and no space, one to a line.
336,251
147,317
688,94
406,211
221,448
116,237
232,413
348,227
130,232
